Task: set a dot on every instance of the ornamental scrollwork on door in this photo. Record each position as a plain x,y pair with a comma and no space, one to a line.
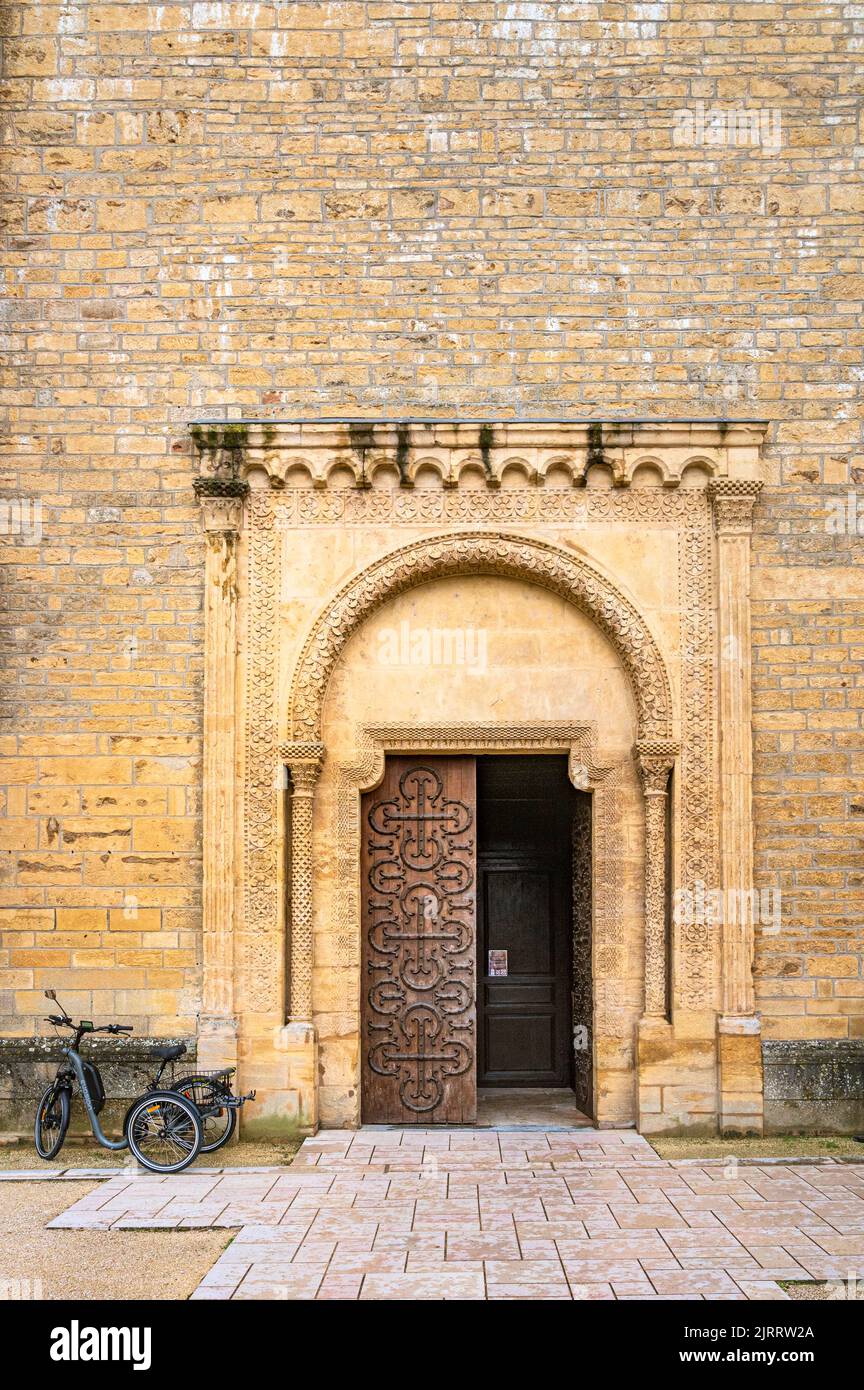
420,937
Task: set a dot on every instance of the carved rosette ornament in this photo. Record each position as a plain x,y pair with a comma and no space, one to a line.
655,760
222,519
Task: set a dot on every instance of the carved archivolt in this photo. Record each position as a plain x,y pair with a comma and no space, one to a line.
482,552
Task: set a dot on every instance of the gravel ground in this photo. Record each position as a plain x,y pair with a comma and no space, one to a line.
776,1146
821,1292
93,1264
241,1155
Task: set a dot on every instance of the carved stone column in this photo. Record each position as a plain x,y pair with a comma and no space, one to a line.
655,1043
304,764
298,1039
655,761
739,1044
217,1028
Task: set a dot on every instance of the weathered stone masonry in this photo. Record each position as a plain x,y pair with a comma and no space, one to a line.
429,210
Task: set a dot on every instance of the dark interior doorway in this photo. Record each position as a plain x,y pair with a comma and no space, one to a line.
525,922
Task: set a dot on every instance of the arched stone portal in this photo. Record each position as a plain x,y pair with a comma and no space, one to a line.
660,569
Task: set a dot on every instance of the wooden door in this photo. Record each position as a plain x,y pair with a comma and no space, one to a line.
524,923
418,870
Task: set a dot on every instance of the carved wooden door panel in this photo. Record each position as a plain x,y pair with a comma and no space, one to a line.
418,868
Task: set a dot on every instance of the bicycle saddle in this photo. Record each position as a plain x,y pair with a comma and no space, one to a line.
168,1054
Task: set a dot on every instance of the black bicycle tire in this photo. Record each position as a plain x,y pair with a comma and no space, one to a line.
151,1098
65,1110
230,1111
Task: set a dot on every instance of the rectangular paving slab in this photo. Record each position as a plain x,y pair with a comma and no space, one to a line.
389,1214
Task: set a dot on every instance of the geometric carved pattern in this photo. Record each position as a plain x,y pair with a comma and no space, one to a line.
262,942
418,981
482,552
583,962
299,508
695,950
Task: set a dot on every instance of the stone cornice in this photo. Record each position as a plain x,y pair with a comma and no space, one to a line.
313,451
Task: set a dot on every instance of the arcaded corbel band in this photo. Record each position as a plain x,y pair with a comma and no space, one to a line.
733,500
655,759
303,760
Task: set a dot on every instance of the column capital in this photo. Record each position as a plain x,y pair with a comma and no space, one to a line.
222,516
304,760
655,759
733,500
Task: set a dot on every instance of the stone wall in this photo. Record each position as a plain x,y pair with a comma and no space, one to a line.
814,1087
127,1068
432,209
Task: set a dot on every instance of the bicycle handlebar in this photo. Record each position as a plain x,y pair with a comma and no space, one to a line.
85,1027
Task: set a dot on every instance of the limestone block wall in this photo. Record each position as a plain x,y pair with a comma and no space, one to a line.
435,209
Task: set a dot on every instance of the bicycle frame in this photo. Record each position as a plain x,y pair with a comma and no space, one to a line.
98,1133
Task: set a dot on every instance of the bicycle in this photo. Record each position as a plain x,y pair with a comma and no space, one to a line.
162,1128
211,1094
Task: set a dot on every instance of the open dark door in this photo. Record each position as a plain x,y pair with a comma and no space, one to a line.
418,867
524,871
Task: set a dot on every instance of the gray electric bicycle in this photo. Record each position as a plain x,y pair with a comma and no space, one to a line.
162,1128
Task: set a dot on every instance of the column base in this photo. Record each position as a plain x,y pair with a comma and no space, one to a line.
739,1058
286,1082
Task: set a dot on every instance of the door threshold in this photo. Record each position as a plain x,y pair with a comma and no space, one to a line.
530,1107
588,1128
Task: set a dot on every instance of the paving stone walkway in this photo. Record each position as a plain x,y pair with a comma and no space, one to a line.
462,1214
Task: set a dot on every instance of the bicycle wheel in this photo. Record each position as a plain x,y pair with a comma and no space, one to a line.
204,1093
164,1131
52,1120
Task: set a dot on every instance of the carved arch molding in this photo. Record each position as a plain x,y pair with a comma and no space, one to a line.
482,552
